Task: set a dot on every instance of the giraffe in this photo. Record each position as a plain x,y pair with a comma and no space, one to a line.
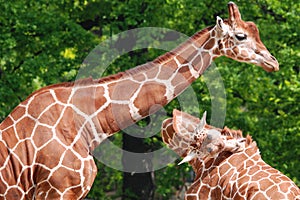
46,142
227,165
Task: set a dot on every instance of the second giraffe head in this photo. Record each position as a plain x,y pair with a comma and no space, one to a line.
192,138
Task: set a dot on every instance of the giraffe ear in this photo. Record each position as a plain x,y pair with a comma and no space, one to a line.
220,23
222,28
184,123
167,132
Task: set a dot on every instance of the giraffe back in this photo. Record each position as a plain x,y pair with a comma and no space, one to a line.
240,175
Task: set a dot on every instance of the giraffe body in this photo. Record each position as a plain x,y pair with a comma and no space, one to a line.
41,156
233,169
47,140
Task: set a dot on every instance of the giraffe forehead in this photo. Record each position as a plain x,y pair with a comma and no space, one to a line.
248,27
251,27
206,134
242,26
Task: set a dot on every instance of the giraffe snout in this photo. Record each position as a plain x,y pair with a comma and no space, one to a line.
269,62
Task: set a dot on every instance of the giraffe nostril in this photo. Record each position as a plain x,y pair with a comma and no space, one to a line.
257,52
273,58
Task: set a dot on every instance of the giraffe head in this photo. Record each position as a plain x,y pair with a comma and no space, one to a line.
192,138
240,41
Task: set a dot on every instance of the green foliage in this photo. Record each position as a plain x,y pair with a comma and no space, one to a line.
171,179
43,42
39,45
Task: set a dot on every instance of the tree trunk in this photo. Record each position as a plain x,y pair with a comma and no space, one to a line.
136,186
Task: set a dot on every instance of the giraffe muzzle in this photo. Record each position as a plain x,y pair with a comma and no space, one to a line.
269,63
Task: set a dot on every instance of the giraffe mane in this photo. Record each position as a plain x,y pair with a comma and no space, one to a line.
237,134
200,33
46,88
233,133
80,82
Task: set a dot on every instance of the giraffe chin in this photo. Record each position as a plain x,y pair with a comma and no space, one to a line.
269,63
270,67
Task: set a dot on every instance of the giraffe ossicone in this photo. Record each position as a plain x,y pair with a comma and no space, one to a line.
202,123
47,141
235,169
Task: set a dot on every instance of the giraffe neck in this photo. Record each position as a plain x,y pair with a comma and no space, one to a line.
122,99
141,91
96,109
158,82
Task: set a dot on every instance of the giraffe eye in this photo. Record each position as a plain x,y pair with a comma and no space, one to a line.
241,36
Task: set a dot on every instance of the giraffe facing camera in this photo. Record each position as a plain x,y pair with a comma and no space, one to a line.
235,170
202,142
